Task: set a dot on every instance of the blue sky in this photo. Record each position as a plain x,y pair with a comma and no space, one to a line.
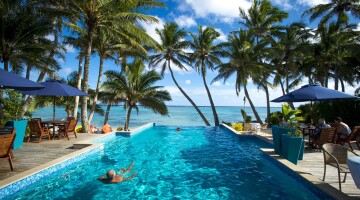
188,14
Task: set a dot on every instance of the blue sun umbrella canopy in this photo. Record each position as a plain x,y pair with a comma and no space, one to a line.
55,88
10,80
313,92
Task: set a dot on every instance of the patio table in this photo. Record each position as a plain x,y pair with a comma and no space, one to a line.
353,163
55,123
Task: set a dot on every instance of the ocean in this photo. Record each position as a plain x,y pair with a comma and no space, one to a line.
178,115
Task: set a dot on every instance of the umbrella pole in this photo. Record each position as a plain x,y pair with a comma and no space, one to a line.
54,103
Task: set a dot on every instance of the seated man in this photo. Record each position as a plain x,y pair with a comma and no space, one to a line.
112,177
106,128
316,133
342,129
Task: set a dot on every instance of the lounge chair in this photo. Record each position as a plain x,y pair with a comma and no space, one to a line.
335,155
37,130
6,144
326,136
68,128
352,138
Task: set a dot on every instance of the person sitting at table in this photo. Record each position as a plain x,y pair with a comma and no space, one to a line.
342,129
316,133
106,128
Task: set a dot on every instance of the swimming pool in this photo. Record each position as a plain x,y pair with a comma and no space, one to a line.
196,163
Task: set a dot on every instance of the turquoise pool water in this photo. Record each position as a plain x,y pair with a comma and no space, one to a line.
196,163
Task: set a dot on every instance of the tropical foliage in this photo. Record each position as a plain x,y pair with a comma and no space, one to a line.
138,88
262,50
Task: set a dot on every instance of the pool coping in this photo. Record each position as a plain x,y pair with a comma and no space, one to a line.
14,184
316,182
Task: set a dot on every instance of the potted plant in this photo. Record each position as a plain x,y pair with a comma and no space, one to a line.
292,143
288,119
11,108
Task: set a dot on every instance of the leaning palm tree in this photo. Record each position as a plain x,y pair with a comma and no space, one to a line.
335,8
243,54
138,87
92,15
206,55
173,43
263,21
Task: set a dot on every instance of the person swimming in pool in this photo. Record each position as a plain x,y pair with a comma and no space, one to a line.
178,129
112,177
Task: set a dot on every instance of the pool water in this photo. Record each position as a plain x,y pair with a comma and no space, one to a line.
196,163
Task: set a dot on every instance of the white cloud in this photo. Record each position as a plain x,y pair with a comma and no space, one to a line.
50,37
358,27
188,82
222,37
151,26
283,3
312,3
216,83
69,49
225,10
185,21
67,70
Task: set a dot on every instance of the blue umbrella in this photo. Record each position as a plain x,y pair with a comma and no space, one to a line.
13,81
55,88
313,92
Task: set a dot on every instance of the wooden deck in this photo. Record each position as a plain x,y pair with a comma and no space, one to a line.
313,163
32,155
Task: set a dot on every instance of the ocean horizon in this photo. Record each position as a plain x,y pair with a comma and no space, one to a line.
178,115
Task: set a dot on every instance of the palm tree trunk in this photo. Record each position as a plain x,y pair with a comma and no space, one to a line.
342,85
84,99
252,106
128,118
282,87
336,77
97,89
216,118
42,74
267,102
78,86
107,113
187,97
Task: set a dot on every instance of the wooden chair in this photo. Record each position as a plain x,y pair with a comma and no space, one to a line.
326,136
335,155
6,144
37,130
68,128
352,138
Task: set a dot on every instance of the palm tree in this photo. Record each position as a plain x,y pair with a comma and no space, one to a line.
173,44
138,87
262,21
205,55
338,8
243,53
287,53
333,53
92,15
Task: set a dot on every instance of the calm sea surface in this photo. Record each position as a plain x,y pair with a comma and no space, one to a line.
178,115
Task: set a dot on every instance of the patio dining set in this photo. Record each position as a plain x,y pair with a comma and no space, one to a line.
14,132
